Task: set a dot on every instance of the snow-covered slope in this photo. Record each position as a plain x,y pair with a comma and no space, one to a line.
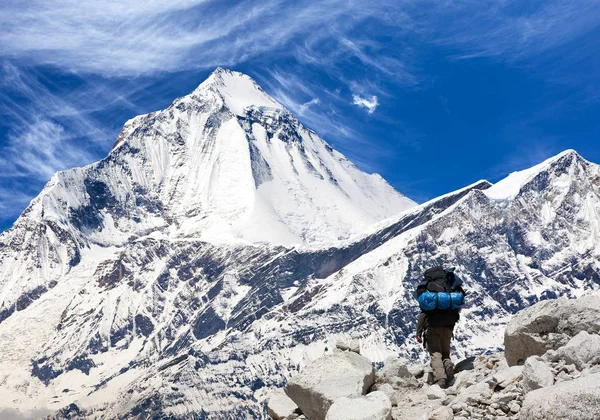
162,280
225,164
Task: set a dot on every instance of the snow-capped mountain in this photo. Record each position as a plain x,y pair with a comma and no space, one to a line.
225,164
221,245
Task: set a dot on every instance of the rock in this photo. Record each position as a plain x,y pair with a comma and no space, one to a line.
536,374
435,393
480,392
387,389
577,399
353,345
374,406
465,364
441,413
581,350
320,384
393,367
504,397
507,376
280,405
459,382
416,370
549,325
514,407
563,376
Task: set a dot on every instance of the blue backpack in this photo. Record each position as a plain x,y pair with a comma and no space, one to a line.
440,290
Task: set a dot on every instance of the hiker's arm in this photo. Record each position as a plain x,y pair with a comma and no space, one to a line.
420,326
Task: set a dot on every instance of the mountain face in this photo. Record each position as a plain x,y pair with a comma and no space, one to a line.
225,164
221,245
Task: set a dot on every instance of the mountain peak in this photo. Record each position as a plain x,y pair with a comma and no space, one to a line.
237,90
510,186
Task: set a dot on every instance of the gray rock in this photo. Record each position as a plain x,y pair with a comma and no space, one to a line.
478,393
514,408
320,384
393,367
280,405
352,345
374,406
504,397
435,393
536,374
549,325
507,376
581,350
441,413
416,370
387,389
578,399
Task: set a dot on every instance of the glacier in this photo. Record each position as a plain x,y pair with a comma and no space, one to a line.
221,246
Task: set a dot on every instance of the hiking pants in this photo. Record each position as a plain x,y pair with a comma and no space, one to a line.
437,341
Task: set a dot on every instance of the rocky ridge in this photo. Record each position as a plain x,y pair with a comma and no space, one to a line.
561,380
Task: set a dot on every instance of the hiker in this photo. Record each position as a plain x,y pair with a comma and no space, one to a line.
440,297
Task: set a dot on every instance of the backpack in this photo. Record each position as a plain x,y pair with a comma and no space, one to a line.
439,290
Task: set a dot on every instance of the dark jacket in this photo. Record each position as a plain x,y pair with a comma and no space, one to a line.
439,317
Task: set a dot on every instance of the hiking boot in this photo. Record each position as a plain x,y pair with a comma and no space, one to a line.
449,368
441,383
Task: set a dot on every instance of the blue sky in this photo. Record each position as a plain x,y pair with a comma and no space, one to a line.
433,95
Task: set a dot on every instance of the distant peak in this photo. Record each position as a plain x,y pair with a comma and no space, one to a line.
238,90
510,186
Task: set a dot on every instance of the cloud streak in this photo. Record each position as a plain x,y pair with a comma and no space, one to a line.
370,103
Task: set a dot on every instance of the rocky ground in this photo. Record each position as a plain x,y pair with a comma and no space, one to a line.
550,369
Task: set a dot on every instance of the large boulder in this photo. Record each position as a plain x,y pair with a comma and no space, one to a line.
320,384
574,400
581,350
536,374
393,367
549,325
280,405
375,406
395,373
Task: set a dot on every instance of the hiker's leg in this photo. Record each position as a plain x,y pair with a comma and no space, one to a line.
446,337
434,346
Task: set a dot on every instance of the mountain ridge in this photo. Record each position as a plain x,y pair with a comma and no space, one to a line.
136,317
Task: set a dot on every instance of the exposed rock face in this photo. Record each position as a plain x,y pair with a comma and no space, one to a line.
320,384
392,367
581,350
375,406
388,390
549,325
536,374
578,399
442,413
280,405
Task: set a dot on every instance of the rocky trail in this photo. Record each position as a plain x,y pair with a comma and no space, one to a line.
550,370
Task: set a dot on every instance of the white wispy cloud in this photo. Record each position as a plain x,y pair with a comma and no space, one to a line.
46,130
370,103
129,37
